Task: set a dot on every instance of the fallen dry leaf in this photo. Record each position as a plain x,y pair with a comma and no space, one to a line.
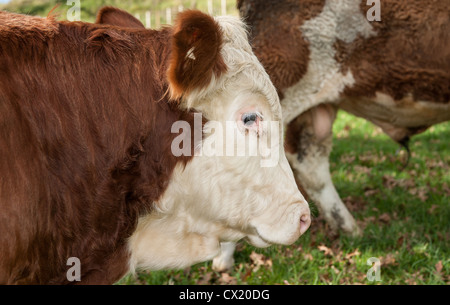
400,241
435,163
226,279
388,260
325,277
446,189
308,256
339,255
366,220
395,215
362,169
347,159
432,208
390,182
421,193
370,192
355,204
385,218
443,237
412,280
439,267
245,275
205,279
259,260
369,157
325,250
336,271
354,253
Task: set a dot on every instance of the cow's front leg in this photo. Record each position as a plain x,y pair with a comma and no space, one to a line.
224,261
308,146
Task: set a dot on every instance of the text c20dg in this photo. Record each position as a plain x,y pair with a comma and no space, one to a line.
244,294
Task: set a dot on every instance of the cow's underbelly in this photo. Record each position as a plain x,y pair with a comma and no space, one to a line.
398,119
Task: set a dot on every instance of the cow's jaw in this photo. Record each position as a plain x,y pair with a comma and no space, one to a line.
195,214
165,242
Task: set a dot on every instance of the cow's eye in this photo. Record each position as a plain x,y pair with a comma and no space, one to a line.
251,118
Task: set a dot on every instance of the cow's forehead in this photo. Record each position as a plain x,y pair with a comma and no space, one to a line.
245,72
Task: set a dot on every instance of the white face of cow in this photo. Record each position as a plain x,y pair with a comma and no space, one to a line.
239,183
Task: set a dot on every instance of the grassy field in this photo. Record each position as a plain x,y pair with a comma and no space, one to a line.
405,216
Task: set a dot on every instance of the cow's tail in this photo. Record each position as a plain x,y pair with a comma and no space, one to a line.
405,144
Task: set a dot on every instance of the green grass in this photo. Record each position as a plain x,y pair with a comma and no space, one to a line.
404,215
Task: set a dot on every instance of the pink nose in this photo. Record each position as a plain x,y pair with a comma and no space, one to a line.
305,222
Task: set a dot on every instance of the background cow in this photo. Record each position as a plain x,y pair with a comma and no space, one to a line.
325,55
87,166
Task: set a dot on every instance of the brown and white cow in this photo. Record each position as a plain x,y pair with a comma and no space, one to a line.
88,171
325,55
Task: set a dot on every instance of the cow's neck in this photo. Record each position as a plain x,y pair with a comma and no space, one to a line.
324,82
158,45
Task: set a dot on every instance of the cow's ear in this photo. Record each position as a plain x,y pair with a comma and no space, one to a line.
114,16
195,56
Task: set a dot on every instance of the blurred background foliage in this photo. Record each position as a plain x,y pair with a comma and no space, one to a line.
89,8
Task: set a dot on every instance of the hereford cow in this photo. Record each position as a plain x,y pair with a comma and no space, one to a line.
325,55
88,167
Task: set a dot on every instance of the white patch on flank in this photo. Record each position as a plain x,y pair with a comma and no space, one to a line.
216,198
323,83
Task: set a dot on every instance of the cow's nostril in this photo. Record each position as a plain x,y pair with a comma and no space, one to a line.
305,222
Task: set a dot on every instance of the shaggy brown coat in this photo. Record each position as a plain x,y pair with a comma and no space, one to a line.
85,136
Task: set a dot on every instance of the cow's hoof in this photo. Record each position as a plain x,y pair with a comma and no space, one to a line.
357,232
354,231
223,263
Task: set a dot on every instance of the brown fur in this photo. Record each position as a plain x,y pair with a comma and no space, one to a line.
409,55
203,37
85,144
283,52
408,58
